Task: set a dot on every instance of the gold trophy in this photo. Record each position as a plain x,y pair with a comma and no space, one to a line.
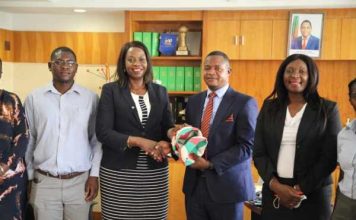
182,46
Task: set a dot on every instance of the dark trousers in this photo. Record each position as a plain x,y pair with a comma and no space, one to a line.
315,207
200,206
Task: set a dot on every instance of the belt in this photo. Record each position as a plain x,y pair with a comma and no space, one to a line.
64,176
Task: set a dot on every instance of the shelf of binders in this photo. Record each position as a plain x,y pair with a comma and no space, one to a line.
182,80
181,93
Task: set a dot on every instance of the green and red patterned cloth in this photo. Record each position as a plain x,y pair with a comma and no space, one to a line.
189,140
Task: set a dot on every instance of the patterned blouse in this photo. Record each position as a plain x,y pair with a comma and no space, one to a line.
13,144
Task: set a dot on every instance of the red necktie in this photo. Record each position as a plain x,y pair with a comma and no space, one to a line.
304,45
208,112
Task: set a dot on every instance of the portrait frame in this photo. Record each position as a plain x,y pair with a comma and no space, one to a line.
305,33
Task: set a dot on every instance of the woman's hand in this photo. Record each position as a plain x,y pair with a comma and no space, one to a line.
289,196
152,148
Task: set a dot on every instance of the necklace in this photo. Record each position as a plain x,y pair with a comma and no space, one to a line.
139,91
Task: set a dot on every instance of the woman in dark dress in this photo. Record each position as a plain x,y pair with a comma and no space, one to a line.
132,123
13,144
295,144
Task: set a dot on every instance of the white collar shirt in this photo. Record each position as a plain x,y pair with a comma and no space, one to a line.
346,156
62,131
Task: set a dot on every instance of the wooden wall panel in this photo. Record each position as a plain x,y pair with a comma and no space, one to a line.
176,207
334,78
91,48
279,39
331,39
5,35
348,38
255,78
256,39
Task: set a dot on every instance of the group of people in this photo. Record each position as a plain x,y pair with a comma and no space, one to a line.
73,137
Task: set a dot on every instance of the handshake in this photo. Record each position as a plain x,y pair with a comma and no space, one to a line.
187,143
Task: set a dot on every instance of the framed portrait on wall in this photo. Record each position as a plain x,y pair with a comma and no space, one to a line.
305,33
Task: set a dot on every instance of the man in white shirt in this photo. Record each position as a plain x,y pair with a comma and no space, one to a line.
346,156
63,155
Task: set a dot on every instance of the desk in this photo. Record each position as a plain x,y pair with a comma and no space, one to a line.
255,210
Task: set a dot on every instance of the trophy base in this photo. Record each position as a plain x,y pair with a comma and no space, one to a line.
182,52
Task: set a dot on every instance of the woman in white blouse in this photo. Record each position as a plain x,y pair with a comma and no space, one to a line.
346,155
295,144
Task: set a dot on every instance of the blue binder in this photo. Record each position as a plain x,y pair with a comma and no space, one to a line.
168,44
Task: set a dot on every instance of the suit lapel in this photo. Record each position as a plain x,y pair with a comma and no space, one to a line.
223,109
128,99
277,126
310,113
198,109
154,102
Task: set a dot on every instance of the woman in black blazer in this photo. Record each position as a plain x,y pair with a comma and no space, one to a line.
133,121
295,144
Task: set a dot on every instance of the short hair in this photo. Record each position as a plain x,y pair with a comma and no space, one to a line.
121,72
62,49
306,21
351,83
219,53
310,93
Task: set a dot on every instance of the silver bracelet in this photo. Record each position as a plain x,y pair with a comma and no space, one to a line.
276,202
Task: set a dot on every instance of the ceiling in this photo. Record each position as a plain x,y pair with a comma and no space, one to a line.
105,6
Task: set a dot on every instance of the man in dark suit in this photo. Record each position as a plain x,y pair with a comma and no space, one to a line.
218,183
306,41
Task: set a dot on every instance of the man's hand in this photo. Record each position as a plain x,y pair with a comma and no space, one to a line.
164,148
173,131
91,188
200,163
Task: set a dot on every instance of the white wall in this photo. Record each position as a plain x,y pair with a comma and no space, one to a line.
6,20
6,81
73,22
28,76
105,22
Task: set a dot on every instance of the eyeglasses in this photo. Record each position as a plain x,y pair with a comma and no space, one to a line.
69,63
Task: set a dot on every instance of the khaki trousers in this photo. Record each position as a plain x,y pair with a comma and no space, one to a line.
58,199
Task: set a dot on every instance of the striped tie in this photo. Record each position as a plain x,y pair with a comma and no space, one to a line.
208,112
